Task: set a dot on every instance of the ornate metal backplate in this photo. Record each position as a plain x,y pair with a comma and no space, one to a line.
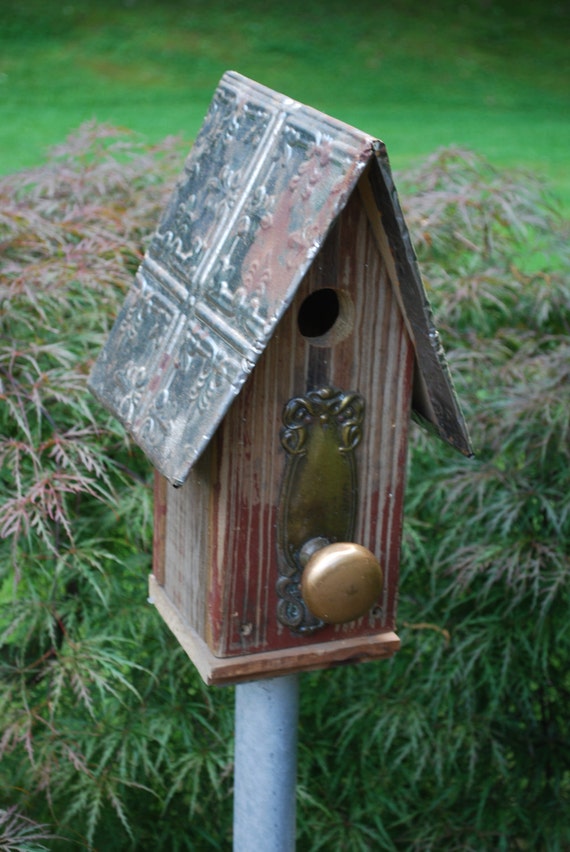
320,491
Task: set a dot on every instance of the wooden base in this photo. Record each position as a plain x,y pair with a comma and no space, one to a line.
227,670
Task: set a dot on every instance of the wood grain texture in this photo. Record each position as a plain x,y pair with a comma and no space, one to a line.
221,552
159,536
188,547
222,671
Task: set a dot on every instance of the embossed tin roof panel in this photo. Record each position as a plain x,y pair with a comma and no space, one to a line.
261,187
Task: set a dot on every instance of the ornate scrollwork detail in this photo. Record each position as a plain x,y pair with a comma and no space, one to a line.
132,379
292,610
319,494
346,410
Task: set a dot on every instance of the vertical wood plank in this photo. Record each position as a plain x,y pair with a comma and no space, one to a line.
159,530
188,550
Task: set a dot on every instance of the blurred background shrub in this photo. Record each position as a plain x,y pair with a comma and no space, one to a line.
109,738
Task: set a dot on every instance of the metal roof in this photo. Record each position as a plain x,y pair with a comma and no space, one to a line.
261,187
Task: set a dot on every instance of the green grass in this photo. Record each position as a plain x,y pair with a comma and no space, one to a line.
490,76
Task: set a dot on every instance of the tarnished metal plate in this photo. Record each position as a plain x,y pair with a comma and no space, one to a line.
261,187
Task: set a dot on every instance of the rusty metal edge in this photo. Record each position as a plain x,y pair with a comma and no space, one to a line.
435,403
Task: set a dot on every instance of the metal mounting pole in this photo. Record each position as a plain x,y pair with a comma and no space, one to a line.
266,721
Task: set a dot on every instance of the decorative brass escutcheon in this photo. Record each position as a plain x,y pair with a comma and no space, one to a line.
340,582
319,496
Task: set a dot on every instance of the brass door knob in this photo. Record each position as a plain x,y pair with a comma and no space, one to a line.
340,582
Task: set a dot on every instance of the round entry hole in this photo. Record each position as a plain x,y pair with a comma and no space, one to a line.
325,317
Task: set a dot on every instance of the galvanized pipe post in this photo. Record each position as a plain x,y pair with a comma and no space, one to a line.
266,722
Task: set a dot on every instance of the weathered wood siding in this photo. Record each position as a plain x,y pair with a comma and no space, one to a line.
220,550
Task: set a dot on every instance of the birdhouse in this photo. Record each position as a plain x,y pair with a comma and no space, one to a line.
267,360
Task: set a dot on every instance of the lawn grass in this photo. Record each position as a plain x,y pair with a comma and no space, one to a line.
490,76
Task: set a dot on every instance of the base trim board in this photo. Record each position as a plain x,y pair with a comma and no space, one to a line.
229,670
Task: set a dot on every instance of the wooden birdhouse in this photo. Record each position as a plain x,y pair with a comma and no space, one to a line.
267,361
